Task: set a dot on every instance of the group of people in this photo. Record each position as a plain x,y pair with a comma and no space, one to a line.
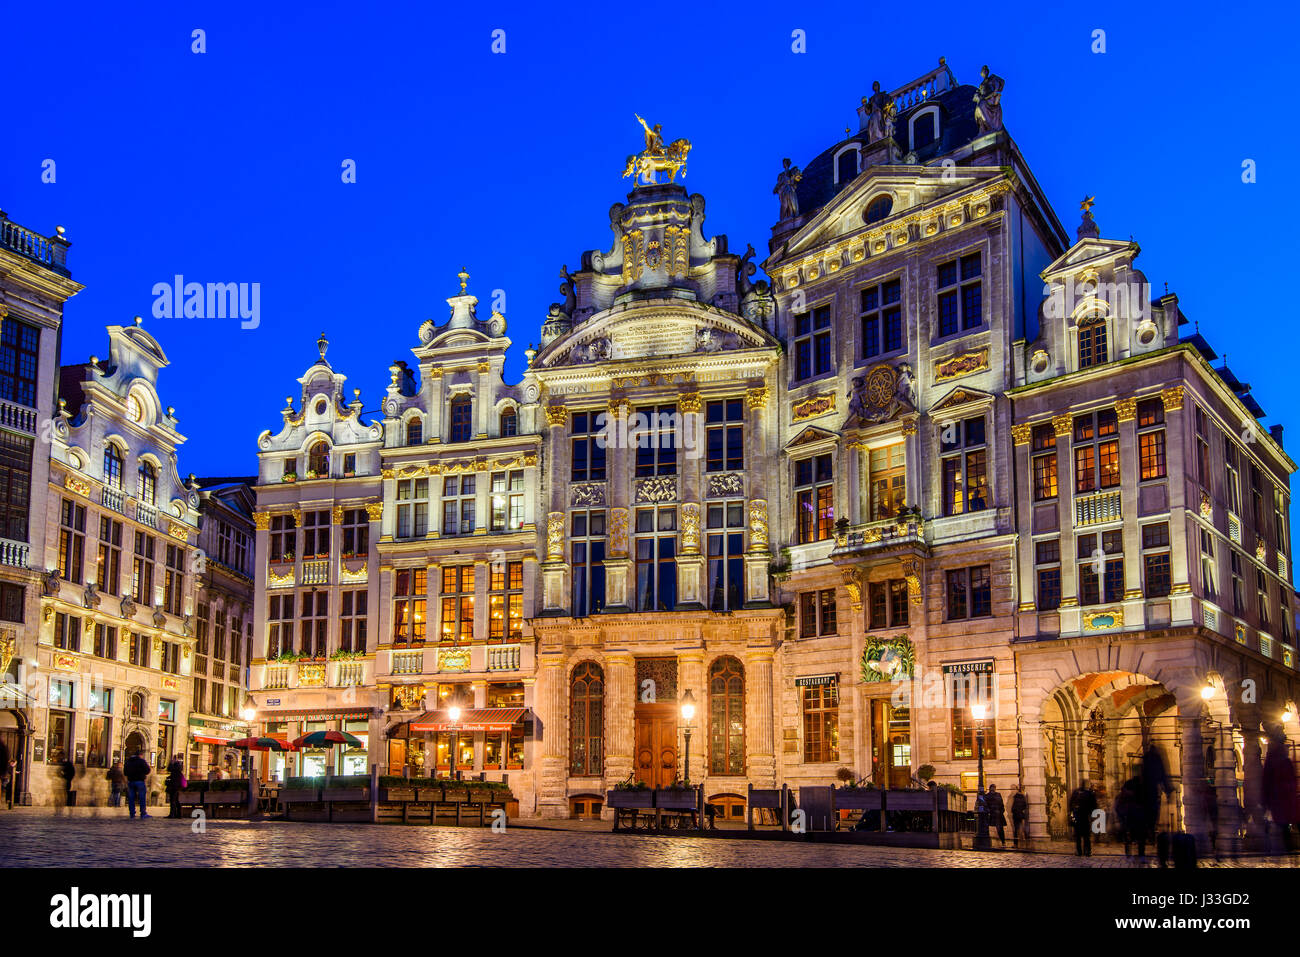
995,809
131,778
1136,809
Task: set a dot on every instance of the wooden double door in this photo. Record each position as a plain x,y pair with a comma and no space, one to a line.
655,760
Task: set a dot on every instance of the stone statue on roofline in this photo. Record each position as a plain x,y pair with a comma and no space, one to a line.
881,113
786,181
988,101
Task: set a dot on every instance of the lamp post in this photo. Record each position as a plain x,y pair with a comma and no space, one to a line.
249,713
454,713
688,712
982,842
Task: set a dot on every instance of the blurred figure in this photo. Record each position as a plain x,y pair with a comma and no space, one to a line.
117,782
1019,817
1083,801
1155,783
136,770
6,775
1280,790
175,783
1131,818
67,771
997,812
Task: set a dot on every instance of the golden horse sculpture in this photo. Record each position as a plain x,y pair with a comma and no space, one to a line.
646,164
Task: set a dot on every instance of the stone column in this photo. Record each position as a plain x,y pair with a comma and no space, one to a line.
1195,820
437,425
758,453
1181,460
482,399
620,709
760,753
552,776
1062,425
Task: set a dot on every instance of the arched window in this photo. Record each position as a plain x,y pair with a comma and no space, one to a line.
587,720
846,167
112,465
878,208
925,129
726,717
415,431
461,422
509,422
146,485
318,460
1092,342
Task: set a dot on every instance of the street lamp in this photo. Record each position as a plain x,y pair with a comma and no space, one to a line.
454,713
249,712
982,842
688,712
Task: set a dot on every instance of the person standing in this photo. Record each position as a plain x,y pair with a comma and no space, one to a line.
1083,802
6,775
116,781
997,812
174,783
1019,817
67,771
136,771
1279,786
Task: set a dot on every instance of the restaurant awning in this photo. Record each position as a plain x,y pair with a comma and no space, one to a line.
312,714
210,738
471,719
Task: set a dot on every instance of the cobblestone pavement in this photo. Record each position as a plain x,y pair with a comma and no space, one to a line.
34,837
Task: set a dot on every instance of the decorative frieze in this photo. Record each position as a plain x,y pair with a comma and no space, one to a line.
960,365
758,524
814,406
587,495
660,488
725,485
618,527
555,536
690,528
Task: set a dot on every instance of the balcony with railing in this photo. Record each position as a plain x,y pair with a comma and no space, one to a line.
316,572
277,677
113,498
408,662
17,417
922,89
503,657
49,251
1096,508
14,554
907,529
146,514
350,673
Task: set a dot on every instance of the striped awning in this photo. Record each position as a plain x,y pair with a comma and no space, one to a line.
471,719
206,737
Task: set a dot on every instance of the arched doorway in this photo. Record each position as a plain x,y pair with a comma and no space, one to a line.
136,744
1097,726
13,735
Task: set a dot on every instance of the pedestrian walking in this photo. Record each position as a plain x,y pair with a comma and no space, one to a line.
67,771
6,776
117,782
1083,802
1019,817
997,812
1279,788
136,770
1130,818
175,783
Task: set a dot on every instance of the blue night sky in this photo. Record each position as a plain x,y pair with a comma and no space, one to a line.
225,166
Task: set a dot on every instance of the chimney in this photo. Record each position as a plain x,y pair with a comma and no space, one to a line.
1275,430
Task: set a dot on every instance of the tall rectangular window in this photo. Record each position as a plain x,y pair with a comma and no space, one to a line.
656,559
313,624
507,501
887,604
888,480
462,421
963,462
413,508
1047,569
1156,582
1101,571
283,546
279,619
654,433
316,533
219,635
19,361
458,603
726,547
817,613
964,734
1261,596
409,596
724,436
72,541
15,484
587,560
110,555
814,498
138,649
356,532
588,440
1044,462
970,593
960,295
812,343
506,602
352,621
105,641
174,580
142,569
1151,439
1096,451
881,319
1093,347
1202,448
67,632
821,723
12,600
1238,583
1209,580
458,498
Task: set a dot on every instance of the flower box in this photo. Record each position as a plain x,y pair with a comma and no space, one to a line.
910,800
397,794
485,795
674,799
627,798
299,795
857,799
226,797
347,794
190,796
455,794
425,794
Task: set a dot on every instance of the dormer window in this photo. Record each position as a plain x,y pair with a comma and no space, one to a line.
925,128
415,431
878,208
318,460
461,424
1092,342
146,483
846,166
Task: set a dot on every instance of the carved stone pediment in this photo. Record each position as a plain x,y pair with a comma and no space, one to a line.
959,397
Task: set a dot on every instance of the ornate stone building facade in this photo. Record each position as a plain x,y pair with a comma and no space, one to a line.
34,286
116,636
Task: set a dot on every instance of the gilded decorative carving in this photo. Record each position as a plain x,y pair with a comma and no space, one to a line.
8,642
311,675
690,528
660,488
261,521
814,406
66,663
1126,410
587,495
387,473
1172,398
408,697
1260,549
688,402
279,581
484,367
912,575
351,577
853,585
756,398
453,659
555,536
1061,424
677,255
557,414
77,485
1020,433
375,511
177,530
758,524
909,427
618,527
297,517
726,484
1207,507
961,365
336,515
1103,619
633,255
